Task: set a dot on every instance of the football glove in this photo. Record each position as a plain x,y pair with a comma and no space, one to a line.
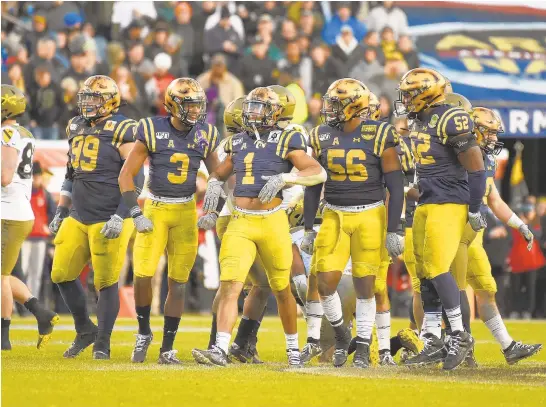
308,241
208,221
527,235
61,213
112,228
271,188
213,194
143,224
394,244
477,221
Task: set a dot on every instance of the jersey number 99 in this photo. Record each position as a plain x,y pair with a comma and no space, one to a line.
85,150
352,168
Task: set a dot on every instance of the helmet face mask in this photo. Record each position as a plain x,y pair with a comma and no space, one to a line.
487,127
99,97
346,99
90,104
419,89
490,143
189,111
261,109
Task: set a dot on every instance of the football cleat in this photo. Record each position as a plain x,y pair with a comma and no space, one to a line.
101,354
82,341
240,354
343,340
141,347
433,351
212,356
460,344
518,351
6,344
410,340
352,346
309,351
46,321
168,358
254,353
362,354
470,360
406,354
294,358
386,359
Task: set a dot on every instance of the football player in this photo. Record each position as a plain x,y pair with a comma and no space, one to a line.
451,180
262,161
487,126
17,215
95,227
176,145
361,159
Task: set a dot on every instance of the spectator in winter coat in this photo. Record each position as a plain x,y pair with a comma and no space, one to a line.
405,45
347,50
388,16
46,106
343,17
257,68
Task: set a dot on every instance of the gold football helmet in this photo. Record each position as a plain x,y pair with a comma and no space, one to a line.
233,116
295,214
449,88
185,100
419,89
487,126
457,100
261,108
98,97
345,100
287,100
375,107
14,102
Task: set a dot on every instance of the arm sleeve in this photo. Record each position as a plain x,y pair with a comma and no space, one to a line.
395,184
139,184
292,141
311,201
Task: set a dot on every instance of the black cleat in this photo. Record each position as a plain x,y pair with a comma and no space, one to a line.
101,354
343,340
82,341
6,344
240,354
433,351
352,346
46,321
168,358
362,353
213,356
460,344
141,347
254,352
470,360
518,351
309,351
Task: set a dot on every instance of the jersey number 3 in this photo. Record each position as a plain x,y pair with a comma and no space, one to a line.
355,170
182,175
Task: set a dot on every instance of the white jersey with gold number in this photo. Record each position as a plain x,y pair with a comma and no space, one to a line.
16,195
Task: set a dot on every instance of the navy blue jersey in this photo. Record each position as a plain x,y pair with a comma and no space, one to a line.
94,166
441,178
253,159
408,167
490,165
353,161
175,156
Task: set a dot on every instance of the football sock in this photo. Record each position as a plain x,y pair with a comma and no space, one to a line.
446,322
107,312
433,323
365,317
291,341
300,281
455,319
396,345
314,320
383,323
253,337
212,337
332,309
170,328
143,318
74,298
499,331
222,341
246,326
465,311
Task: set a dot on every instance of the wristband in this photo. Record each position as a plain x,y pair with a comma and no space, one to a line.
130,199
514,221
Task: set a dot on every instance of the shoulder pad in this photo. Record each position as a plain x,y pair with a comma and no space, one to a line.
453,122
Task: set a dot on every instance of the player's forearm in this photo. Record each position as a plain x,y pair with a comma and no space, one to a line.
126,178
394,182
307,177
311,201
138,182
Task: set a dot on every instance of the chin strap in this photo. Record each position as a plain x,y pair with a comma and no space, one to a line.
256,131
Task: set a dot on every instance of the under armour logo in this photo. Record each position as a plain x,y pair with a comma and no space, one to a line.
356,139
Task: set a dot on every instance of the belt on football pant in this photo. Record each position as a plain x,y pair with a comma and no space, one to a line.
170,200
339,210
258,212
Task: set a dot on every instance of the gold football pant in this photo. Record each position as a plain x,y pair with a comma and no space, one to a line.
381,278
358,235
175,229
479,269
249,235
76,244
437,232
14,233
460,264
409,260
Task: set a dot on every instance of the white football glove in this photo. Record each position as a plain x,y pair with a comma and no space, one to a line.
394,244
272,187
308,241
477,221
143,224
214,192
527,235
208,221
112,228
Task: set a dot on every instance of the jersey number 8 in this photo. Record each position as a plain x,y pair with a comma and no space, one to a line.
85,150
355,170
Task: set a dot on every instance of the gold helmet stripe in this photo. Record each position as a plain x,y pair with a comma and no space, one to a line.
287,142
116,133
377,145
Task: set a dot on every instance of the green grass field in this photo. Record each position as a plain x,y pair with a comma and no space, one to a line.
43,378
